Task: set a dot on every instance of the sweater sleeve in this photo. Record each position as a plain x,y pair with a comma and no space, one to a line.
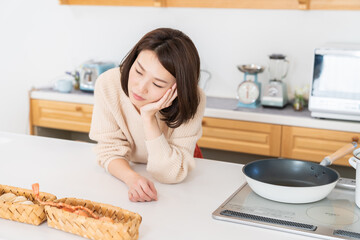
105,130
170,160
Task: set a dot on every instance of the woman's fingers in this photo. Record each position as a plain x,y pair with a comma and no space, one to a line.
143,197
139,196
173,97
143,191
133,195
164,99
170,98
153,189
149,190
164,102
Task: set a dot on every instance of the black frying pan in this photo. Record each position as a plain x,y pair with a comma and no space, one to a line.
294,181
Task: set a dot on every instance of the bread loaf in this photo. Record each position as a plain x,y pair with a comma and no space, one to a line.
10,197
7,197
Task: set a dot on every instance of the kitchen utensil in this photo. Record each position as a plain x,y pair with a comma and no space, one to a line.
278,67
90,71
275,92
248,91
355,163
250,69
294,181
205,77
64,85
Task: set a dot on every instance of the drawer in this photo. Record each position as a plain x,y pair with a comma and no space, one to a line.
314,144
61,115
241,136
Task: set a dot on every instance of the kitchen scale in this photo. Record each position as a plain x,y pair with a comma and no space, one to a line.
248,91
275,92
335,217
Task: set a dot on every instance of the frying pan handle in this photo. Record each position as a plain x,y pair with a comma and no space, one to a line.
348,148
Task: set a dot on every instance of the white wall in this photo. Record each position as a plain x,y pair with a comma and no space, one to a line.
41,39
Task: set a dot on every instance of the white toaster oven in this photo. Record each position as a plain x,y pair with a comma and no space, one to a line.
335,88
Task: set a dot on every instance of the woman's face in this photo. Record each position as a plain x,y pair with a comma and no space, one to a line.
148,79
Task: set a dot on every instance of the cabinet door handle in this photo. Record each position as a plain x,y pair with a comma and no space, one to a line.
78,108
304,4
159,3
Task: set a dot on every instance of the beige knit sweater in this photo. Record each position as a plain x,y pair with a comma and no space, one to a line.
117,127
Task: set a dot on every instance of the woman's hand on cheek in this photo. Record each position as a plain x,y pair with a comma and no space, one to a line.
164,102
141,189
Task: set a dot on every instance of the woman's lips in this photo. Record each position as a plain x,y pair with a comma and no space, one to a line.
137,97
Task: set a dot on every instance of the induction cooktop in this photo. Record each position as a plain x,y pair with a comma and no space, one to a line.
335,217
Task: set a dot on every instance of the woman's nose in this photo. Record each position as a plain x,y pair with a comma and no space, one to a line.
143,86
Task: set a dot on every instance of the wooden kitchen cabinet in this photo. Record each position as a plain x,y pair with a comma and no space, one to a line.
248,4
334,4
223,134
241,136
60,115
145,3
231,135
314,144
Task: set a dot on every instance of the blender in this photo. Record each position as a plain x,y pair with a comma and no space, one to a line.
275,92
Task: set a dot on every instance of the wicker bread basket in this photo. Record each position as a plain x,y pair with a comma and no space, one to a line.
32,214
125,226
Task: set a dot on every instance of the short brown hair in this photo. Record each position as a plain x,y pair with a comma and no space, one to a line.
178,55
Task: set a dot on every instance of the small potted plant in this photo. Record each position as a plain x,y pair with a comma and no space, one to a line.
75,74
300,98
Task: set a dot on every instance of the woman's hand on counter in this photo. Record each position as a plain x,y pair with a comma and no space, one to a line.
141,189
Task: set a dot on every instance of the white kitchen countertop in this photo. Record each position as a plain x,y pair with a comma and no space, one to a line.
226,108
68,169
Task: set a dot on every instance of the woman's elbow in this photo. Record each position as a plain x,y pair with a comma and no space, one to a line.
171,172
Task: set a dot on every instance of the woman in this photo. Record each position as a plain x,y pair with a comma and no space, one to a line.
149,111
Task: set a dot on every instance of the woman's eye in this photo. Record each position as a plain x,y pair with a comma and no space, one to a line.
157,85
138,72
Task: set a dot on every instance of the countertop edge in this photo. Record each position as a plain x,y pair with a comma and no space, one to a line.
327,124
283,120
63,97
